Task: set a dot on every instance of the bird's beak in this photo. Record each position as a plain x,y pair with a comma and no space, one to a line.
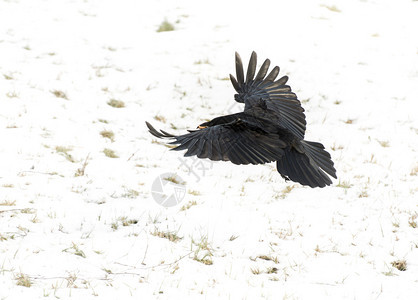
202,127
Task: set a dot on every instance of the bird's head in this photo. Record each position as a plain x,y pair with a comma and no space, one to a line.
239,98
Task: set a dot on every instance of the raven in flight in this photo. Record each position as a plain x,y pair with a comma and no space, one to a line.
271,128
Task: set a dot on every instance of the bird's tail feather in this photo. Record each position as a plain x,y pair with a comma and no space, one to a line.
309,167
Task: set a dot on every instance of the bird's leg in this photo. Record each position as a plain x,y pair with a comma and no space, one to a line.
286,179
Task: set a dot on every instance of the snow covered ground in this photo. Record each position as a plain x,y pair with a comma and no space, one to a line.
77,216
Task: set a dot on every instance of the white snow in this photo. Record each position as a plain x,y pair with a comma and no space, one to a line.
240,232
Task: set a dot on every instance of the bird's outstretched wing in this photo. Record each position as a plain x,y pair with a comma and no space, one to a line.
276,94
238,141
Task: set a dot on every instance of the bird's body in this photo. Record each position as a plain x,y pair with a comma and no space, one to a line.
271,128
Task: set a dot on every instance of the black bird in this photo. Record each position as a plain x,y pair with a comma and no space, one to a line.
271,128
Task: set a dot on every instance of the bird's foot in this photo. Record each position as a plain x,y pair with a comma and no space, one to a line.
286,179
